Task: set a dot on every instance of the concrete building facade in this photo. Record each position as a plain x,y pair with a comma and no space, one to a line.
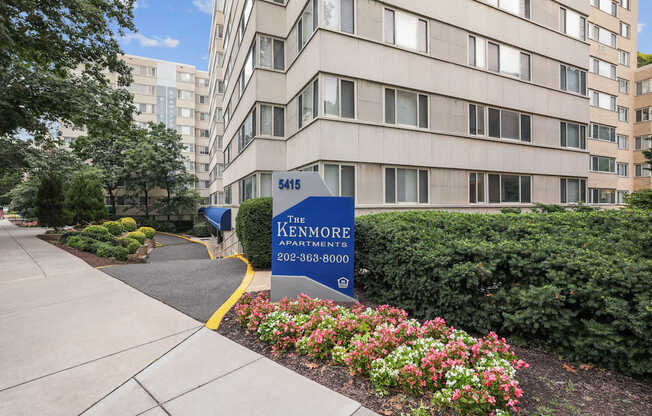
642,171
178,96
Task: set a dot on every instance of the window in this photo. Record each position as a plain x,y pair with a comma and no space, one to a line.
623,86
307,24
507,61
623,57
624,4
607,6
203,133
573,191
248,188
603,68
643,170
573,80
622,141
602,196
203,150
477,52
625,30
185,130
602,35
190,165
571,23
203,167
508,188
476,188
265,185
203,184
602,164
146,108
519,7
184,76
407,108
509,125
573,135
602,100
272,120
202,82
340,179
142,70
142,89
247,131
643,143
622,114
621,196
188,147
339,15
476,120
406,186
272,53
339,97
308,107
643,114
643,87
203,116
185,112
621,168
406,30
185,95
228,196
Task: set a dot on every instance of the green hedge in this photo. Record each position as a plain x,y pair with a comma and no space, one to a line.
578,283
83,243
114,227
254,230
201,229
113,252
98,232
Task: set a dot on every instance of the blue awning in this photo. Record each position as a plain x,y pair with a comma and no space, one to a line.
219,218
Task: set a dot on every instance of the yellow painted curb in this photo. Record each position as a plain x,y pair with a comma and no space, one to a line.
102,267
210,253
216,319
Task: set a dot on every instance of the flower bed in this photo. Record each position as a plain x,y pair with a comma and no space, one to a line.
457,371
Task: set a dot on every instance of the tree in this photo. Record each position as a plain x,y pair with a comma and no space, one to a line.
8,182
171,172
54,62
644,59
13,154
50,201
141,170
84,201
23,196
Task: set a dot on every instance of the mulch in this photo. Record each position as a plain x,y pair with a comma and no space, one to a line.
90,258
552,387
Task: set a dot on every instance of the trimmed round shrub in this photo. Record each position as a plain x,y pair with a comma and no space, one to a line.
63,239
254,230
137,235
74,241
129,224
84,243
114,227
124,241
148,231
112,252
201,229
97,232
133,246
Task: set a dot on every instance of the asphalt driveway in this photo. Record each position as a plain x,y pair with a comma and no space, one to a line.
180,275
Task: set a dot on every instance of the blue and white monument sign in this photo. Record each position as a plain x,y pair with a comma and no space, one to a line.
312,239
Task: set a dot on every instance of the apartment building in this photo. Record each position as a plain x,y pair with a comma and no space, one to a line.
177,95
642,128
614,130
407,104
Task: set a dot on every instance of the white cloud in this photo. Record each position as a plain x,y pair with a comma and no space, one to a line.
204,6
641,26
152,42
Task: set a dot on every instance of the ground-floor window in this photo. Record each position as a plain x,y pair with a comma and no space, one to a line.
406,186
499,188
620,197
340,179
573,191
602,196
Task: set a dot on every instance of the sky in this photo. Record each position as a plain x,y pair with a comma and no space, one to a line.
645,26
171,30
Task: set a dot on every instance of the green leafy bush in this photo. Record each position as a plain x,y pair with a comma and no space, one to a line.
83,243
573,282
97,232
129,224
254,230
201,229
148,231
114,227
137,235
511,210
640,199
546,208
133,246
112,252
63,239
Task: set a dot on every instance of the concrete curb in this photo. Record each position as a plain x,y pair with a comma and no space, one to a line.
215,320
210,254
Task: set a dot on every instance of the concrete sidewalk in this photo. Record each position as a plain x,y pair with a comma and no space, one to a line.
69,333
